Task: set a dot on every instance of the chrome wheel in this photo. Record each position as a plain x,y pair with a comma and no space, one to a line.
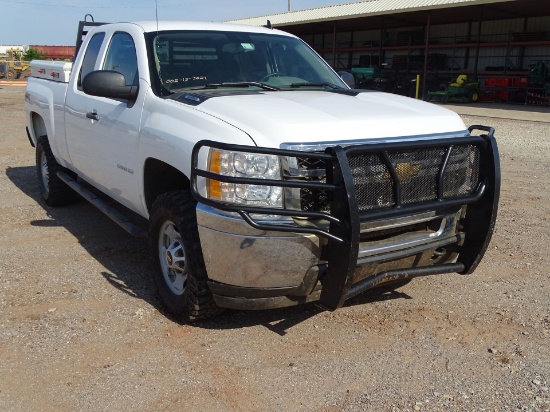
172,258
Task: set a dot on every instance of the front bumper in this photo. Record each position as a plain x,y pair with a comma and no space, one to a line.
254,269
254,263
239,255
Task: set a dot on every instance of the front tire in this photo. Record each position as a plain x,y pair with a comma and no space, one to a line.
178,265
53,190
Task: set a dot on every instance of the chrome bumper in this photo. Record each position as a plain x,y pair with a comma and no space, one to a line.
237,254
276,263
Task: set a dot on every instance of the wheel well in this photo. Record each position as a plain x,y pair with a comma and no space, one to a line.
159,178
38,126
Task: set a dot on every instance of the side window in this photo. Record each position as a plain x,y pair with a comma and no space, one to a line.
90,57
121,57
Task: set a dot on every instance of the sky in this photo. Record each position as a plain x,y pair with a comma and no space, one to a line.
55,22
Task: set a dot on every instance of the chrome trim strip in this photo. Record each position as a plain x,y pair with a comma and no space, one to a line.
408,240
375,225
321,146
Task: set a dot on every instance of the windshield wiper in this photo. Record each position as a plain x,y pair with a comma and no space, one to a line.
242,84
323,84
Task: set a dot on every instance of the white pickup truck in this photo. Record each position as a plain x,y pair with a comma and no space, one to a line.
260,178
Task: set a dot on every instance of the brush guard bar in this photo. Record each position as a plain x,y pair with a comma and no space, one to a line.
341,225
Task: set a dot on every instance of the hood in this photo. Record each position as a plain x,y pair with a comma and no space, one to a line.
272,118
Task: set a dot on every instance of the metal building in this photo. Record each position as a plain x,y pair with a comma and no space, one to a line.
499,42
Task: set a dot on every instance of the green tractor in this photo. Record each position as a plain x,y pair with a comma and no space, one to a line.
462,90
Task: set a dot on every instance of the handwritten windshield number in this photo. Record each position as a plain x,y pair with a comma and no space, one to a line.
185,79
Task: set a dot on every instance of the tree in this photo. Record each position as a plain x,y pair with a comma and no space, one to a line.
33,54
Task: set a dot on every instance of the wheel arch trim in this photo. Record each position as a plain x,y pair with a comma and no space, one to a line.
160,177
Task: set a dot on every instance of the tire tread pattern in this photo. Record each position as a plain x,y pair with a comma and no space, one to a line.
197,302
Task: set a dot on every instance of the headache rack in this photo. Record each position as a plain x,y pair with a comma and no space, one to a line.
83,28
347,186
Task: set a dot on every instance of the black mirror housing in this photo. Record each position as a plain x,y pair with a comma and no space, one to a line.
108,83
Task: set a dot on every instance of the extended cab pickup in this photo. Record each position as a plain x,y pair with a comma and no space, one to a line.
262,180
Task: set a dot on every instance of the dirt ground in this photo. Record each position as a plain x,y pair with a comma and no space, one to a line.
82,329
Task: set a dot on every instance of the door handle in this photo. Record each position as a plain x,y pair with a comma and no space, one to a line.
92,115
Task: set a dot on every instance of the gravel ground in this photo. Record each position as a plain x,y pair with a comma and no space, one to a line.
81,329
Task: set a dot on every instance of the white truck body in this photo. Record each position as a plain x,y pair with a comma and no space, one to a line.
121,147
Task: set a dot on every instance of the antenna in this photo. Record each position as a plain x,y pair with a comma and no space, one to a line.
157,13
268,25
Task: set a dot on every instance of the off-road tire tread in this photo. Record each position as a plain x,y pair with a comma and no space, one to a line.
196,303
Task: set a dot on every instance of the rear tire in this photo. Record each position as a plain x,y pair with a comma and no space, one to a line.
178,265
53,190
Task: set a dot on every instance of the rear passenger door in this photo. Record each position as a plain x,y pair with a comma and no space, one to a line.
102,133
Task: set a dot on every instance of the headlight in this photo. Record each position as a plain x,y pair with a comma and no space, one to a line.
248,165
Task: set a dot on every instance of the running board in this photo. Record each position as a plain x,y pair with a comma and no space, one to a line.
116,216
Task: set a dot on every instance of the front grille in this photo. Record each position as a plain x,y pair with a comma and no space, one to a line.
412,175
373,188
417,175
312,200
306,164
462,173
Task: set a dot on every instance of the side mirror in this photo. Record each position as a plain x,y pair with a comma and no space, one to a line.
108,83
348,78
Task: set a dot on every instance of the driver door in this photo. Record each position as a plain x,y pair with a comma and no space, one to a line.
102,133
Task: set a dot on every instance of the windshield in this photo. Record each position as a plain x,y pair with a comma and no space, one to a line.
198,59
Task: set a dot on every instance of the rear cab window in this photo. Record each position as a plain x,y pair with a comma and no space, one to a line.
90,58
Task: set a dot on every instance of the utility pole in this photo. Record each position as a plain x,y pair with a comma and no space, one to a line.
288,5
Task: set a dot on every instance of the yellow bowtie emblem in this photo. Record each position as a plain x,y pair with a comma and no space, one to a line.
405,171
